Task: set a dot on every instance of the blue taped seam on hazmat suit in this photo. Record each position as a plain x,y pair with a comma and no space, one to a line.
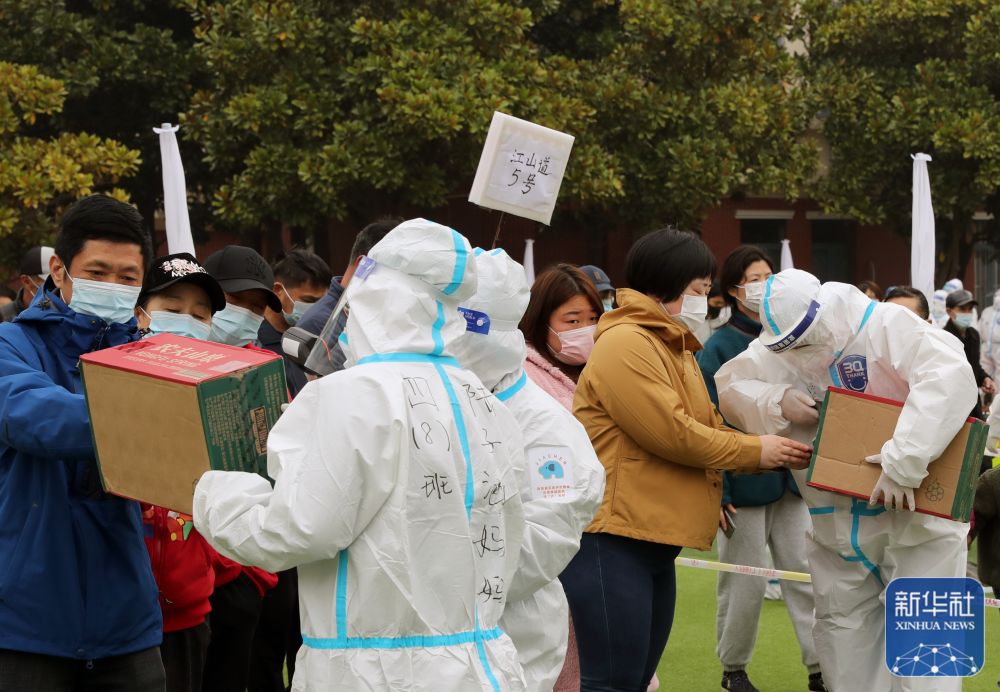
75,579
397,497
855,550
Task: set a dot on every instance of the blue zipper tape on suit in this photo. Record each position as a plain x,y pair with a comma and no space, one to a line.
463,437
461,257
767,306
341,601
412,642
409,358
822,510
514,388
858,510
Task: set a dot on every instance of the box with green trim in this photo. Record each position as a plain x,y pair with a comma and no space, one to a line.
854,426
166,409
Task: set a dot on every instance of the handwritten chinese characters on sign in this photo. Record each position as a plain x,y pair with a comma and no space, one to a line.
521,168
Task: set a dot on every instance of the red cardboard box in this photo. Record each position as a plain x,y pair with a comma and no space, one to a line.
167,408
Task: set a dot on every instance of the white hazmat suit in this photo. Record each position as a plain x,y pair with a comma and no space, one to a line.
397,491
815,337
989,332
563,479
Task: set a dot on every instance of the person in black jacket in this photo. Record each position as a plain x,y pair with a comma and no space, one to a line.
959,305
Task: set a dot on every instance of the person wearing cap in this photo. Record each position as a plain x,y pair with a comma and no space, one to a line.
817,336
603,285
396,490
78,602
179,297
961,323
32,273
248,283
249,286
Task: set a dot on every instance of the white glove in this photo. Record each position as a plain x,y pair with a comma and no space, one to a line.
889,491
799,408
284,407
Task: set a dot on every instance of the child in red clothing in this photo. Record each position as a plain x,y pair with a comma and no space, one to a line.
179,297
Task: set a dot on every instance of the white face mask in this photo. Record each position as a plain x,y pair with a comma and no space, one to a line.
694,310
754,294
109,301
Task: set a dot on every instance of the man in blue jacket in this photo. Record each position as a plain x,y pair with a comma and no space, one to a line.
78,603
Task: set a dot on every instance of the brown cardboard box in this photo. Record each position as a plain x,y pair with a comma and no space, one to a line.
853,426
166,409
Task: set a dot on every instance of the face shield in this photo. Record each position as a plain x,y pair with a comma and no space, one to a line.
329,351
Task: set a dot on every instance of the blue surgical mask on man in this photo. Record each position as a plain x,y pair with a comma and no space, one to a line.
235,326
298,309
110,302
181,324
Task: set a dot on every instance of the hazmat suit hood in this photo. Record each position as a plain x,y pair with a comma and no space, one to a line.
405,294
493,346
815,321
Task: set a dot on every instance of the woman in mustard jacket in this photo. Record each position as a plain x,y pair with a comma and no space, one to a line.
664,446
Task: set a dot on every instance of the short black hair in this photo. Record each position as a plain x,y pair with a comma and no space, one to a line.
99,217
299,267
662,263
735,266
369,236
910,292
7,292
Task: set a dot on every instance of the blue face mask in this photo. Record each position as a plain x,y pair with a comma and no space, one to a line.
235,326
162,322
110,302
609,304
298,309
964,319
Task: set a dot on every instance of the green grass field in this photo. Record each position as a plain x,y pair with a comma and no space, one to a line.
690,663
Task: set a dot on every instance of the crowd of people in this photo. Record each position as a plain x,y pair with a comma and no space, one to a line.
489,489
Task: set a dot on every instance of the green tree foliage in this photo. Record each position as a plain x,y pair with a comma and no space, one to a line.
893,78
40,174
127,66
349,109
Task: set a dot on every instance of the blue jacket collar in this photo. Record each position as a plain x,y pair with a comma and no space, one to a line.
74,331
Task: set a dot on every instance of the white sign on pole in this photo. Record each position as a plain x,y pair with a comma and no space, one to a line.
521,168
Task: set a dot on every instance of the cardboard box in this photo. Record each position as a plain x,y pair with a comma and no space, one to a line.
167,408
853,426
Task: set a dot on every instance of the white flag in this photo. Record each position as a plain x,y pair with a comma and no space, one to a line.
786,255
529,260
175,209
922,228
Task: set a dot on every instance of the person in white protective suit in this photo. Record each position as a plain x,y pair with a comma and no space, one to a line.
989,332
815,337
563,480
939,313
397,492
